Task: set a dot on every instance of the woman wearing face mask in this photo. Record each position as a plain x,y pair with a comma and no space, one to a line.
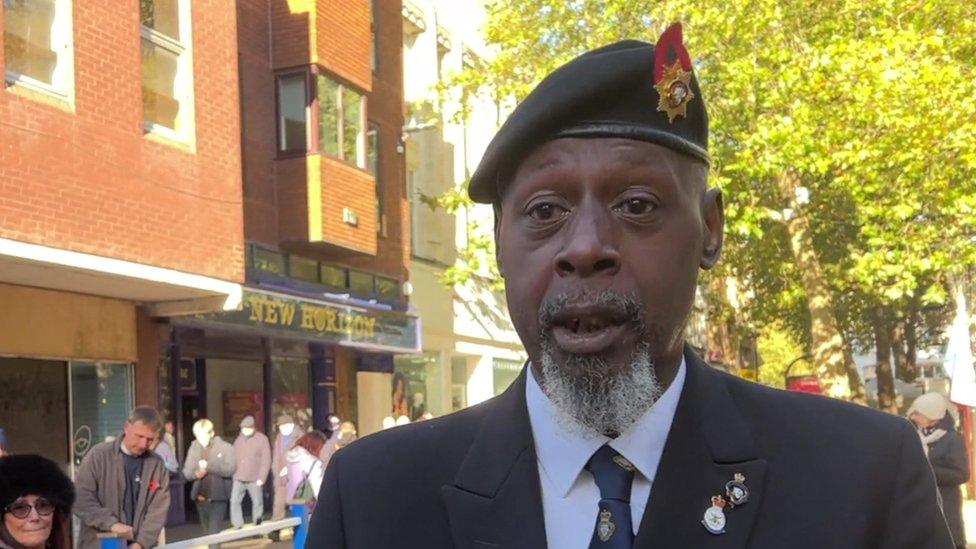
286,437
946,451
35,502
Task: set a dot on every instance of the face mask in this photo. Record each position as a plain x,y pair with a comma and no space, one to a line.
247,431
204,439
286,429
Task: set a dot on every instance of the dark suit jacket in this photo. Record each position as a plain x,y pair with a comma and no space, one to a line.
821,473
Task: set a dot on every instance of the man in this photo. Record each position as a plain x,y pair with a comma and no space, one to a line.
617,435
123,487
287,435
210,467
253,453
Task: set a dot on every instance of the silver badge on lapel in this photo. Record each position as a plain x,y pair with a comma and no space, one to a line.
605,528
714,518
736,491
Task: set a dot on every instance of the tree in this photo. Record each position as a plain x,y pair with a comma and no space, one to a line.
843,136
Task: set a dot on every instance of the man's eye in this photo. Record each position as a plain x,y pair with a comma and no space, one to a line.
546,212
636,206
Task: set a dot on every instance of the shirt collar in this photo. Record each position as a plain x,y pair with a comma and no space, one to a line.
563,452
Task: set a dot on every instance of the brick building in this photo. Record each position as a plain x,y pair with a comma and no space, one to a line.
201,209
120,199
325,226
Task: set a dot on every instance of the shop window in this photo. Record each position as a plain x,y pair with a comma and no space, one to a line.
360,282
459,382
342,131
302,268
504,373
293,112
417,386
291,390
167,73
37,46
333,276
235,389
101,398
34,407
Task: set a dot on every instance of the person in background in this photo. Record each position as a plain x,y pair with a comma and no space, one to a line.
946,451
168,433
303,463
253,453
401,404
332,433
3,443
287,435
123,487
168,454
209,465
35,504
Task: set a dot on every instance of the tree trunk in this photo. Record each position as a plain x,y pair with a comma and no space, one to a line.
903,367
723,344
882,346
911,336
831,357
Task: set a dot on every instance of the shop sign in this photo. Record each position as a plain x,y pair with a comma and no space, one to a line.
322,321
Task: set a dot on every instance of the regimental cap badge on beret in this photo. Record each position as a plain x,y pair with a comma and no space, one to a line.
672,73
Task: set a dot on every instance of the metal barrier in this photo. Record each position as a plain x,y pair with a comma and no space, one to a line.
298,521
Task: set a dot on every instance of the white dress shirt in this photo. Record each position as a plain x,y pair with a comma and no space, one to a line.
570,497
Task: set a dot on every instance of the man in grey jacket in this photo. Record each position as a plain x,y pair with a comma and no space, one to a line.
123,487
209,465
253,453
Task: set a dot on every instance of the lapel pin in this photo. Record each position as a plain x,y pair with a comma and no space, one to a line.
736,491
714,518
606,527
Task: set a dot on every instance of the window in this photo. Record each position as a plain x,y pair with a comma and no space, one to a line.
373,165
333,276
303,268
341,122
101,398
360,282
292,113
167,82
387,287
37,44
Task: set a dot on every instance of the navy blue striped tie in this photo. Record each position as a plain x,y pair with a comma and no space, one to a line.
615,476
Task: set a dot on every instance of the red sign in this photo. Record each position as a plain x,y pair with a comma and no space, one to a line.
238,405
804,384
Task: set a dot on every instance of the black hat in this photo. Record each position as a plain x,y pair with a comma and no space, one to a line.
629,89
22,475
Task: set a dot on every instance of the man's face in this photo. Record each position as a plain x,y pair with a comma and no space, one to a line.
606,236
139,437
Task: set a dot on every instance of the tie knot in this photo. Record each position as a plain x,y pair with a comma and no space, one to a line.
614,475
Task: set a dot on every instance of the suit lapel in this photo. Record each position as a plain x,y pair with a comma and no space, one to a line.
709,442
496,500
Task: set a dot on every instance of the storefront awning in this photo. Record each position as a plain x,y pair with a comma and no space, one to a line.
284,316
174,291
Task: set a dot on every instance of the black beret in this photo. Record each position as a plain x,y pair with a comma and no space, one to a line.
22,475
612,91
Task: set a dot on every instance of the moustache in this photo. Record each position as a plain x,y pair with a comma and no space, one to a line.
627,307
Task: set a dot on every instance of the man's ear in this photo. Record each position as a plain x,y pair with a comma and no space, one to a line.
713,219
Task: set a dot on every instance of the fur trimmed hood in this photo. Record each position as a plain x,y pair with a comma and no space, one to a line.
21,475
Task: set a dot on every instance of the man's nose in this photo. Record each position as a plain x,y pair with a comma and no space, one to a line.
589,248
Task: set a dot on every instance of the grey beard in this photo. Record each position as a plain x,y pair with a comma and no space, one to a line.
588,397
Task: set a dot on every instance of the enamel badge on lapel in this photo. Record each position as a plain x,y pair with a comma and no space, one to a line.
736,494
736,490
714,519
672,80
605,528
